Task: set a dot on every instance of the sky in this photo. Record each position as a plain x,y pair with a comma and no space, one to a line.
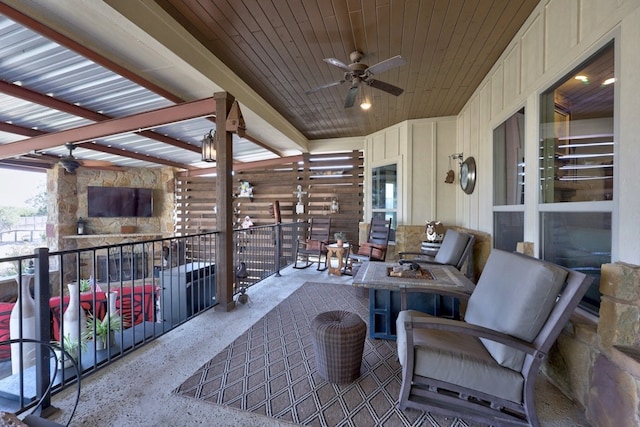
16,187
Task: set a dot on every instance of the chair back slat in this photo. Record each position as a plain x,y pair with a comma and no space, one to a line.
379,231
319,229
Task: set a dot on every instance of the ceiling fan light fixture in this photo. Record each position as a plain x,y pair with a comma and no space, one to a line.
209,147
70,165
365,104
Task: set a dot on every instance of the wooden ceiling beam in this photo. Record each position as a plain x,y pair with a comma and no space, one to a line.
133,123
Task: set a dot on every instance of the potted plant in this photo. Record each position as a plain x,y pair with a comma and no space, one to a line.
85,285
71,346
103,329
340,237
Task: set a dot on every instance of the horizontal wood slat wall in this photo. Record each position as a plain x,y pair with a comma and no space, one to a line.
322,176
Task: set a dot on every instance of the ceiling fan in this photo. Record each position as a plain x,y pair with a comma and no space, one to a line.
71,164
358,73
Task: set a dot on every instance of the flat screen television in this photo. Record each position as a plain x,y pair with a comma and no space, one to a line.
111,202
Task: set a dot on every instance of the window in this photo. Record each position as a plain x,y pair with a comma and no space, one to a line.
577,166
384,194
508,161
508,182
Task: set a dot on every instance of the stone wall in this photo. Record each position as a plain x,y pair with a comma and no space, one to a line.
597,361
70,204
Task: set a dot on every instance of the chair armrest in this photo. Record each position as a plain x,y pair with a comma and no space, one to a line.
450,325
378,246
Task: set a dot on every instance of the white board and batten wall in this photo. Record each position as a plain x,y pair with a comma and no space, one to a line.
557,37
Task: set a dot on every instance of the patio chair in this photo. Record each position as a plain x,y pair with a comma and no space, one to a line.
374,249
455,249
314,245
484,367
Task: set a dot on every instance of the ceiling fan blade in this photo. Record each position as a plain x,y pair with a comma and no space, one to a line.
389,88
337,63
310,91
387,64
351,97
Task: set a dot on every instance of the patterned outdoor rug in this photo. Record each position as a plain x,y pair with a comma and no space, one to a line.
270,370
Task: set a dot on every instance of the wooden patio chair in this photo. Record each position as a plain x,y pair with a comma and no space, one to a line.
484,367
314,245
374,249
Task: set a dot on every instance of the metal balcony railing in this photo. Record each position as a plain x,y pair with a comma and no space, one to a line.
102,303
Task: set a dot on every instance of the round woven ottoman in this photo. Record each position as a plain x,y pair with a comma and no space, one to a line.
338,343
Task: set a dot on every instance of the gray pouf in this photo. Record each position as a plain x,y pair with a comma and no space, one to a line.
338,343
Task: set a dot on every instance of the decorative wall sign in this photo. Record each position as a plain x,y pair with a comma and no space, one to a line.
246,190
299,193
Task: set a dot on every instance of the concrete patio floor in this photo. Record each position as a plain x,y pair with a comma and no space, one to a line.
136,390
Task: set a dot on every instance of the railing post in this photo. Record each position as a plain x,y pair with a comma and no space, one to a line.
43,332
278,231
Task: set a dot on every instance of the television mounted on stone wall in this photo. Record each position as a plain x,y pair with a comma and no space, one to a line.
113,202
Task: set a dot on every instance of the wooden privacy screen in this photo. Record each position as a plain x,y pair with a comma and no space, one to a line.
324,177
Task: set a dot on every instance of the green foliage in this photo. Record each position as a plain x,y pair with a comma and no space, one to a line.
340,235
104,326
8,218
38,203
73,347
85,285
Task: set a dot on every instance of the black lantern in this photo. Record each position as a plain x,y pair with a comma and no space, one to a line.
208,147
82,226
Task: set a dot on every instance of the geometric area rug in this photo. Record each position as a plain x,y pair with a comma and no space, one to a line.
270,370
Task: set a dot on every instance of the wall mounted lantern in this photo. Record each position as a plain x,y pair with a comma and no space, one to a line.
209,147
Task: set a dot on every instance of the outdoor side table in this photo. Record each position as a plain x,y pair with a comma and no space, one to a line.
339,252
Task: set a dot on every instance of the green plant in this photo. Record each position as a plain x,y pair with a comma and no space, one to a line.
85,285
72,346
340,235
104,326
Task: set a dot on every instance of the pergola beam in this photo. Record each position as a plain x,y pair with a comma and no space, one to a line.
133,123
237,167
29,95
132,155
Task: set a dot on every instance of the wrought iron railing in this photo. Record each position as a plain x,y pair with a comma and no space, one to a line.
130,293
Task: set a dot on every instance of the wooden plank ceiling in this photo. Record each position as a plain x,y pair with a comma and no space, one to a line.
277,47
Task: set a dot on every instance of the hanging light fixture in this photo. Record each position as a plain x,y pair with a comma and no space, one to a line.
365,103
209,147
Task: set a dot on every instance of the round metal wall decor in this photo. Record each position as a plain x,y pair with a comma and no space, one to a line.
468,175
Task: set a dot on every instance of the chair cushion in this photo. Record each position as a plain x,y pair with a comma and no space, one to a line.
137,304
376,251
5,331
514,295
458,359
452,247
313,245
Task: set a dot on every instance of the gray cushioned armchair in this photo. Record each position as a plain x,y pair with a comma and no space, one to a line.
485,366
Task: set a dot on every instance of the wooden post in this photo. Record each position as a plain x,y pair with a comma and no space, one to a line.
224,202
